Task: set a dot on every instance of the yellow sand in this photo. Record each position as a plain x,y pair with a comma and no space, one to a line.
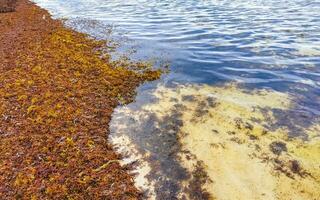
238,169
224,128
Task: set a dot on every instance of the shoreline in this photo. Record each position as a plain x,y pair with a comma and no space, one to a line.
58,90
63,134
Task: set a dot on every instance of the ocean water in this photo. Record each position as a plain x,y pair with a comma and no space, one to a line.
239,68
259,43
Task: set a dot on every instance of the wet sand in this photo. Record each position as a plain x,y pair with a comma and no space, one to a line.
58,89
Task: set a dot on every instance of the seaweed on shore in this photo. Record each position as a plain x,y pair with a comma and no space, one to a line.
58,89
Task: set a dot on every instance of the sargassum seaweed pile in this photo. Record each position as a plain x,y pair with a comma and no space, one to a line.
58,89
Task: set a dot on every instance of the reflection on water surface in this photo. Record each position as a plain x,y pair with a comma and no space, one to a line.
260,43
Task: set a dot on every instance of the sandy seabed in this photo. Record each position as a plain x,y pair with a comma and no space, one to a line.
231,137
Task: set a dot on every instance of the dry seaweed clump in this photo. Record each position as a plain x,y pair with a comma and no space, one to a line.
58,89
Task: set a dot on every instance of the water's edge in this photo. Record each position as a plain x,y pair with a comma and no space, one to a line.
238,116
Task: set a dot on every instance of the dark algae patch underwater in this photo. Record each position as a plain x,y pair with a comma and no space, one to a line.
58,89
215,142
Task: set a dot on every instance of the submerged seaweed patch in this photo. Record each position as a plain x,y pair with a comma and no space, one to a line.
157,139
225,129
278,147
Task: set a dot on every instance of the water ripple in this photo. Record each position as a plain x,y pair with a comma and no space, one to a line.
275,43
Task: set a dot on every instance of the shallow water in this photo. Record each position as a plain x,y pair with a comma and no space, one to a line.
269,50
229,142
259,43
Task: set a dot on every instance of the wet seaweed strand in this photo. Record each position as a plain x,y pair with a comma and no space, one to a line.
58,89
